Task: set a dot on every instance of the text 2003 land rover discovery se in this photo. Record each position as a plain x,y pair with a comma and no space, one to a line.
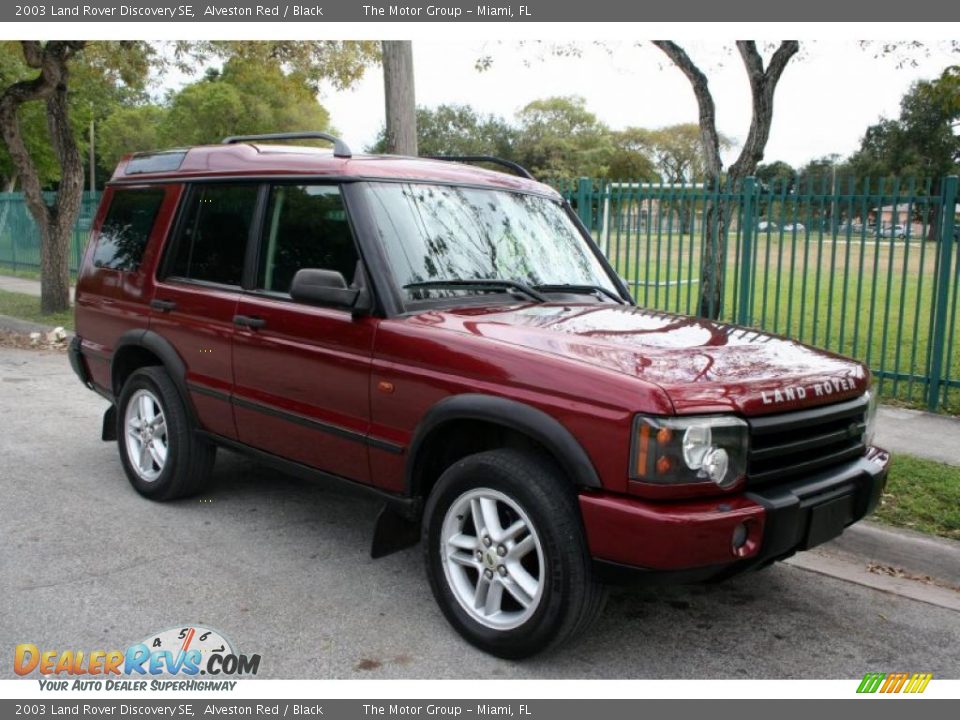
452,338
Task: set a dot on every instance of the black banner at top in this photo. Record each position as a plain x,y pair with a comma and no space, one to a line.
459,11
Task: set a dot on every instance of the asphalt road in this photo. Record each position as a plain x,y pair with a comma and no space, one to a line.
282,568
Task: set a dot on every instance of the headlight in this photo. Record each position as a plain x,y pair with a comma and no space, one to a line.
871,430
711,448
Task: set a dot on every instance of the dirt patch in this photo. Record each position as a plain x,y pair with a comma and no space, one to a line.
367,664
33,341
891,571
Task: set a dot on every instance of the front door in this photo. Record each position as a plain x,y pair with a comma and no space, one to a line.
302,372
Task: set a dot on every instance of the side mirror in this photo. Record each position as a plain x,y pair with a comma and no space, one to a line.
327,287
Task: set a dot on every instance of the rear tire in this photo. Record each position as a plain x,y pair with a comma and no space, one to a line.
519,579
163,457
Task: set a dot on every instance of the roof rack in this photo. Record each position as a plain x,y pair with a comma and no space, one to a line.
340,148
516,167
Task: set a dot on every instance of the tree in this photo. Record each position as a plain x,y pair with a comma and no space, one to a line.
922,142
675,156
399,97
46,80
55,222
630,160
339,62
244,98
458,130
677,151
129,129
763,85
558,138
776,174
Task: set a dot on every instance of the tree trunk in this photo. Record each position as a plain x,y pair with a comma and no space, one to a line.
399,97
54,222
763,84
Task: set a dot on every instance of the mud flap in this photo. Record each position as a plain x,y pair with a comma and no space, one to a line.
393,532
109,430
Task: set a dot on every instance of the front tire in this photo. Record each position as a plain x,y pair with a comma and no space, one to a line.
506,555
160,452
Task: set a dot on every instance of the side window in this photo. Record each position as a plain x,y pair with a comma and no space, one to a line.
126,229
214,234
306,227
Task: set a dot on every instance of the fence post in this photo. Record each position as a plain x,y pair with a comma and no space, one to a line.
948,208
585,202
747,228
12,235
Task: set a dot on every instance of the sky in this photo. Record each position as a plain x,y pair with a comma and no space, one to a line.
826,98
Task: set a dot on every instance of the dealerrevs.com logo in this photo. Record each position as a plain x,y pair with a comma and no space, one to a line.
173,659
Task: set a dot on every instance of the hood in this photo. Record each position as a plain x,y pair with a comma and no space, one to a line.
703,366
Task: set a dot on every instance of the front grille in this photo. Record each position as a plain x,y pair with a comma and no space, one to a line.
791,444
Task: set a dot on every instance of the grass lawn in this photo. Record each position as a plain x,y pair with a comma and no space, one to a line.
922,495
27,307
8,270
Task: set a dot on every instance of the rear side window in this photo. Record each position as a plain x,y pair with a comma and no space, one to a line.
214,234
126,229
306,227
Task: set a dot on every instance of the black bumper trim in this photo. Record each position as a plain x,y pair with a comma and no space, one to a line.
789,506
76,361
857,485
75,355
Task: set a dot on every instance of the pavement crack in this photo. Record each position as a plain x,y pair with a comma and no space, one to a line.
94,576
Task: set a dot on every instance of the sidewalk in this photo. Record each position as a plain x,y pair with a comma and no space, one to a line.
24,286
922,434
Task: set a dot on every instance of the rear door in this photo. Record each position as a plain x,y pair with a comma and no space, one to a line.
198,290
114,285
302,372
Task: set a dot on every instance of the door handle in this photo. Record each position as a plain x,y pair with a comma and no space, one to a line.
248,321
163,305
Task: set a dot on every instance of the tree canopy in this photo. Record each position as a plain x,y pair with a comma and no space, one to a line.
458,130
103,77
676,151
50,91
245,97
922,141
554,138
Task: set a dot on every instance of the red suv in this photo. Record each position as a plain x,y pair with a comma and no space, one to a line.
452,339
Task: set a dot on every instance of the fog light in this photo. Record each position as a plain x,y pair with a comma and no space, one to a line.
740,534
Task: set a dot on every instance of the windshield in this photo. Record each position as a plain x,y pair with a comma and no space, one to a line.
434,233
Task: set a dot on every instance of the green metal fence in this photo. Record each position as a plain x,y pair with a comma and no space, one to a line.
869,269
866,268
20,238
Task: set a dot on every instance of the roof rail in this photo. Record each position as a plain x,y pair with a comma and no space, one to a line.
516,167
340,148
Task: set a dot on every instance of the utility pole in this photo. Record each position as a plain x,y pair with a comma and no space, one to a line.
399,97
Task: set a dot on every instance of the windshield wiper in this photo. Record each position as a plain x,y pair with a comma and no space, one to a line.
478,284
575,289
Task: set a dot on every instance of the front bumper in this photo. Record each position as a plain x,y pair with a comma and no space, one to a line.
693,540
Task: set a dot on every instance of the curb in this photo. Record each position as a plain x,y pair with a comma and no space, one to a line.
849,569
913,552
